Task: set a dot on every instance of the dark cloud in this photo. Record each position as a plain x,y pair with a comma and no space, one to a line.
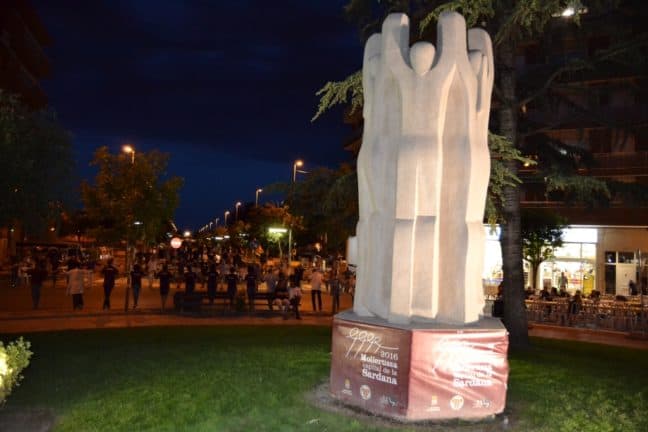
228,82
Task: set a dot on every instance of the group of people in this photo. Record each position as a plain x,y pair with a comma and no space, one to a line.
188,268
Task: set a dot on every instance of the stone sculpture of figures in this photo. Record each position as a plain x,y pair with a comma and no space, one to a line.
423,173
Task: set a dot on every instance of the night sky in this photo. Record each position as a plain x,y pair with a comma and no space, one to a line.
226,88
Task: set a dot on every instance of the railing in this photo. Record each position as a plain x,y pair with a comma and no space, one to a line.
630,316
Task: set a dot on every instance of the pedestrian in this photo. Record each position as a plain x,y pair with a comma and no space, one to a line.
165,277
75,284
251,284
15,267
38,276
271,285
110,273
189,279
295,299
212,280
281,295
136,283
151,269
336,286
232,281
316,290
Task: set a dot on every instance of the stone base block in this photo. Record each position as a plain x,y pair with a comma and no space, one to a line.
420,371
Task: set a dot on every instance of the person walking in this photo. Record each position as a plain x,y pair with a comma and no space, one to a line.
151,269
295,299
136,283
270,279
316,290
109,273
232,280
75,284
38,276
189,279
336,287
251,284
212,280
165,277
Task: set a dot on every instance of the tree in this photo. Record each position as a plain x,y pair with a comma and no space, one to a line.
541,233
261,218
35,166
130,197
510,23
326,200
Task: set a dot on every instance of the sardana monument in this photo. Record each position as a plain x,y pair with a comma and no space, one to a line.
416,346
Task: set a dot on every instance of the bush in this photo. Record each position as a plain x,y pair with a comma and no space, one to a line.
13,359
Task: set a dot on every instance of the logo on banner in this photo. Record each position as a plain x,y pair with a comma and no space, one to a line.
434,404
457,402
482,403
347,387
365,392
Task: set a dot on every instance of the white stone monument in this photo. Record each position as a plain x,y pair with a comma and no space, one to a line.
423,173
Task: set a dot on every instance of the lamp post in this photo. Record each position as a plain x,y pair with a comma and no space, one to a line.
238,204
256,199
298,163
226,214
128,149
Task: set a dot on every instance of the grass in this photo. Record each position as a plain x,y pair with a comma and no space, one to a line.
254,379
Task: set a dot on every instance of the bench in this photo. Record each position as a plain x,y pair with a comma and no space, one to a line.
193,302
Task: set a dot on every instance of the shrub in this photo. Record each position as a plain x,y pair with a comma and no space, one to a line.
14,357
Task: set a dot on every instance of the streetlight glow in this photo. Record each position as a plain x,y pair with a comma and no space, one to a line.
298,163
187,233
238,204
226,214
128,149
256,199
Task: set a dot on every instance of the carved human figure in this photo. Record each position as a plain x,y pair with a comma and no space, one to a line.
423,173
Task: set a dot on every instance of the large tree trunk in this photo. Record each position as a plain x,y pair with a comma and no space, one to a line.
510,239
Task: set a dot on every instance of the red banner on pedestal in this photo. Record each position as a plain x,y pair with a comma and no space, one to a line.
418,374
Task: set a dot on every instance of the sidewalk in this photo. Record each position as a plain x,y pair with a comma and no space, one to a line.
55,313
55,310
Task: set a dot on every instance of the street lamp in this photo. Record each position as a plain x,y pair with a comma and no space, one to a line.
298,163
216,222
256,199
129,149
226,214
238,204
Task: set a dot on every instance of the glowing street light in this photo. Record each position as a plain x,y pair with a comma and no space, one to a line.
238,204
226,214
256,199
298,163
129,149
187,233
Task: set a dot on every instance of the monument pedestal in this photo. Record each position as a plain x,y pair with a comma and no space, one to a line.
421,371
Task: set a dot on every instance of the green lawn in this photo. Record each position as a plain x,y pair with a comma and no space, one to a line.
254,379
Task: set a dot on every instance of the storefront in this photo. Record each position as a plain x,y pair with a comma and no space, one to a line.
602,258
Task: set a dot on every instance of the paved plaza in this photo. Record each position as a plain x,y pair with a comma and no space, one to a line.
55,313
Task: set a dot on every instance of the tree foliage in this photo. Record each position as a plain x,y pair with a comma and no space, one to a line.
125,193
541,235
35,166
327,202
